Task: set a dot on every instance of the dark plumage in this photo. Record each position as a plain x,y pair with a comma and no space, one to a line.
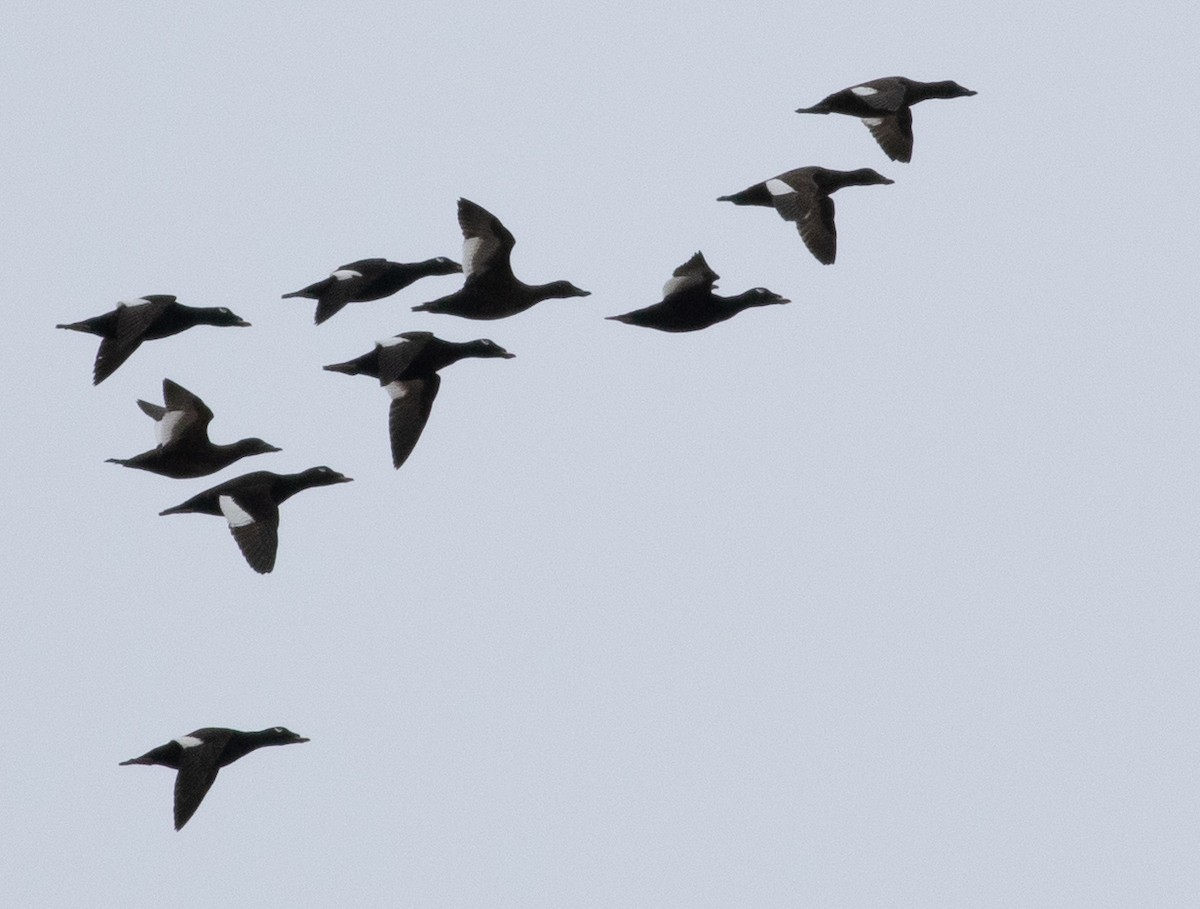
250,503
200,754
689,304
184,449
147,318
885,106
369,279
802,196
490,290
407,366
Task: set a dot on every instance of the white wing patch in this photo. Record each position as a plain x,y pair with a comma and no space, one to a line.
189,741
676,284
472,255
234,513
140,301
392,342
166,430
872,121
397,390
777,187
864,91
345,274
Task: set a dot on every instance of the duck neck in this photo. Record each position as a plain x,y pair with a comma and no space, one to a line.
241,745
923,91
738,302
285,486
833,180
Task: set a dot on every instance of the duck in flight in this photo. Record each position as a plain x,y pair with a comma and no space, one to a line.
490,289
369,279
885,107
689,304
250,503
184,449
147,318
198,756
407,366
802,197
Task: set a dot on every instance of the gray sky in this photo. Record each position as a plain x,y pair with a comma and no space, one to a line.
883,598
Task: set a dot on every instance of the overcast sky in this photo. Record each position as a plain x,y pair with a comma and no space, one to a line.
886,597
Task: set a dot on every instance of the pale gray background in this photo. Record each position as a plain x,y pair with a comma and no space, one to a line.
883,598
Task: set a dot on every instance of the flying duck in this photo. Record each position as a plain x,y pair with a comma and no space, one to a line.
407,366
200,754
689,304
250,503
184,450
885,106
802,196
490,290
147,318
369,279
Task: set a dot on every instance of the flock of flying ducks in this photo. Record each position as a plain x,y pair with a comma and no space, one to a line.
408,364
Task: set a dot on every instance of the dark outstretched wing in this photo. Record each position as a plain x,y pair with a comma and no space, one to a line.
879,94
894,133
186,417
487,243
818,231
198,766
344,285
153,411
800,201
396,354
692,275
133,319
333,299
254,522
412,400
